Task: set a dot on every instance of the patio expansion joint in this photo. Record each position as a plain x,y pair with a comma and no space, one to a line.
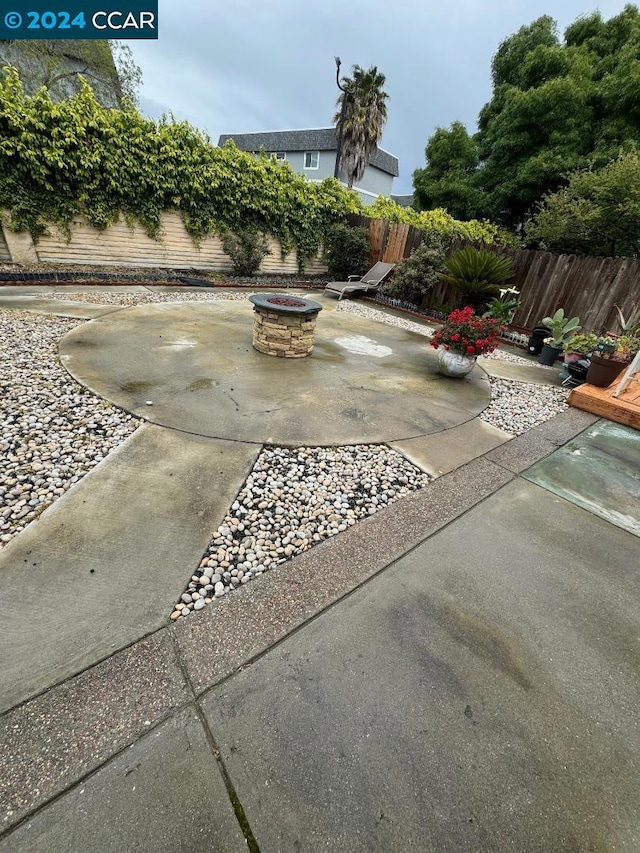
238,809
56,684
31,813
328,545
215,750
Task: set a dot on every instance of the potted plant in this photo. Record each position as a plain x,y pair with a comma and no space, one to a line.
462,338
503,308
580,345
562,330
610,357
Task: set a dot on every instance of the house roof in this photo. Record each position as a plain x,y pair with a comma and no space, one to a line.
314,139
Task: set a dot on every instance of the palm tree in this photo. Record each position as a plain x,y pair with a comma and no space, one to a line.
360,119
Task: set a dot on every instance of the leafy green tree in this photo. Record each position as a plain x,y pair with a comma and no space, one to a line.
452,160
60,65
536,128
362,120
128,71
511,64
557,106
597,213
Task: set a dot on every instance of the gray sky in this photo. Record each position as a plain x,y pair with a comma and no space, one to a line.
254,65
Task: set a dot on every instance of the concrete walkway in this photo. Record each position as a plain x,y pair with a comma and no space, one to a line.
458,672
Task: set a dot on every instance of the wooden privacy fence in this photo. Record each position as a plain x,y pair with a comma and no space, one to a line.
587,287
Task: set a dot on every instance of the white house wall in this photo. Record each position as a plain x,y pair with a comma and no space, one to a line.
374,182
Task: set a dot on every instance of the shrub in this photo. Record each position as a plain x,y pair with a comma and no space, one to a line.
442,223
477,273
597,213
346,250
416,275
246,247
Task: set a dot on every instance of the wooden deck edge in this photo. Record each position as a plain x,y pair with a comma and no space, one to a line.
599,401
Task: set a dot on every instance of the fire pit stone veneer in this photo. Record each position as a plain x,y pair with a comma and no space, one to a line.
284,325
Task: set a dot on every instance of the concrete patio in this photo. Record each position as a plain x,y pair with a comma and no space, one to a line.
458,672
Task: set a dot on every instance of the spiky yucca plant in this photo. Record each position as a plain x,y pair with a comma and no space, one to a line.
477,271
629,325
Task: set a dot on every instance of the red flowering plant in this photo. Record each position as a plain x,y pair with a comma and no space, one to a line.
467,333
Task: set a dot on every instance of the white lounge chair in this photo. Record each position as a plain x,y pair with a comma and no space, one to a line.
370,282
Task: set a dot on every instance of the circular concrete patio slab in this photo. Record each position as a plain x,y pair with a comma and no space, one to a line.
364,383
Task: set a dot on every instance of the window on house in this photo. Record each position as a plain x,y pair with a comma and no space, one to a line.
311,159
277,155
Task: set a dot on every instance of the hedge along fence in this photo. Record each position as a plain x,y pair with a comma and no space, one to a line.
584,286
61,159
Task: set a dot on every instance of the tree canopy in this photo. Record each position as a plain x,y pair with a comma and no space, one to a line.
558,105
452,160
363,119
597,213
107,66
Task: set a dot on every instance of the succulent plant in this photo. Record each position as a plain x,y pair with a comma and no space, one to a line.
562,329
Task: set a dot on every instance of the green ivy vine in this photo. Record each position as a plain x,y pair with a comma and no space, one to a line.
58,159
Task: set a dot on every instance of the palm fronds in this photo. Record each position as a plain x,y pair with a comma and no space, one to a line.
477,270
365,114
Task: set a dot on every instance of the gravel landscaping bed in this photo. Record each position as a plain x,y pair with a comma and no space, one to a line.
128,300
518,406
292,500
390,319
52,430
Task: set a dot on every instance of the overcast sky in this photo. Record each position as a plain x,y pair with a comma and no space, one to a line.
238,66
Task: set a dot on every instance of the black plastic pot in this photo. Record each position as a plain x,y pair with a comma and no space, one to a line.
536,341
577,370
549,355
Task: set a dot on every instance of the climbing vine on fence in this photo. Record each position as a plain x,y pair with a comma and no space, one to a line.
58,159
440,222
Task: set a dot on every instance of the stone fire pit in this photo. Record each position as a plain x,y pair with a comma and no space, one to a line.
284,325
